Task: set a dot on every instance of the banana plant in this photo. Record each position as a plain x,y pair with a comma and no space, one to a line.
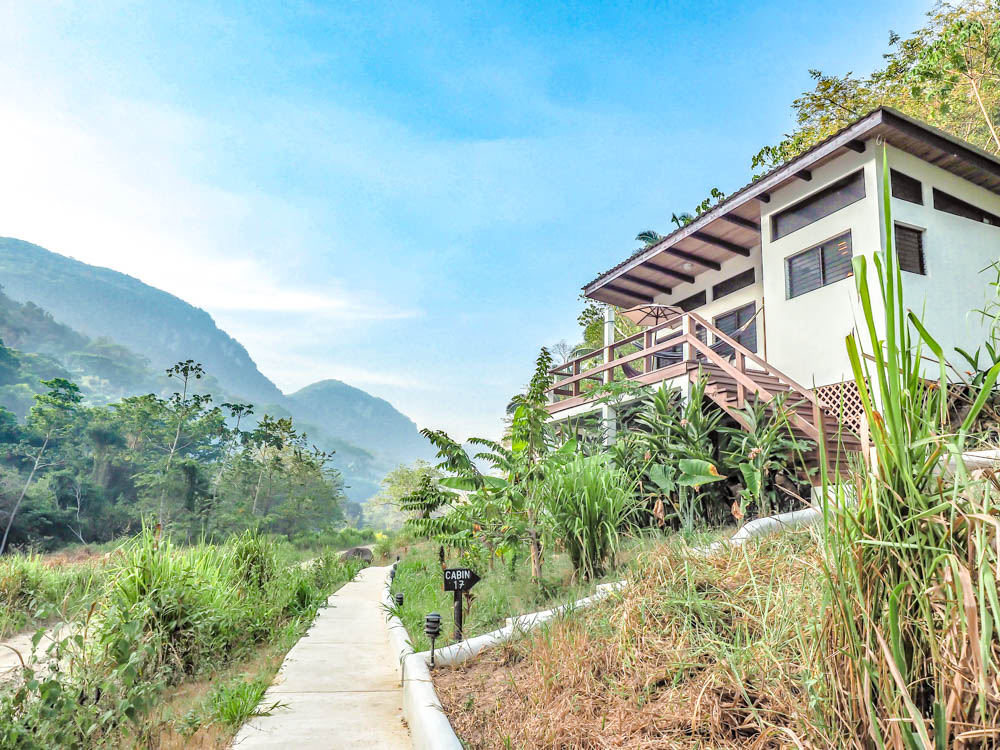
694,473
765,448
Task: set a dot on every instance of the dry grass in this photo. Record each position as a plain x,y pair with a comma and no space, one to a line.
694,653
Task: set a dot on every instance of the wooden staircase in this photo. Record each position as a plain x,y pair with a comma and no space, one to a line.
839,439
734,375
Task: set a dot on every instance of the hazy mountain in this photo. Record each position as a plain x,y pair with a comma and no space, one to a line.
370,421
86,318
101,302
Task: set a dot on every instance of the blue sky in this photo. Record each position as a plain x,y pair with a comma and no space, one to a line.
406,196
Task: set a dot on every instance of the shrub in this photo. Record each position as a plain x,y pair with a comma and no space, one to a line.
21,578
255,560
29,587
178,602
234,702
587,505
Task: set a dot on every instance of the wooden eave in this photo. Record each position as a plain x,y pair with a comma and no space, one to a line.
732,228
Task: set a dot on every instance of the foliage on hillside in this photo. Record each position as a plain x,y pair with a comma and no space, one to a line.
86,473
34,346
946,73
114,335
369,421
101,302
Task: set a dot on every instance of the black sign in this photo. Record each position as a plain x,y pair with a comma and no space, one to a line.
459,579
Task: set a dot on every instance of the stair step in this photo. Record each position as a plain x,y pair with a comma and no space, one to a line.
767,383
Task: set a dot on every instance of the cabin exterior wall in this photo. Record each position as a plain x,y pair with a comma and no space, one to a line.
805,334
956,250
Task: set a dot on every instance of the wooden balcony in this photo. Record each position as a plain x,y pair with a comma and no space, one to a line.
667,351
686,348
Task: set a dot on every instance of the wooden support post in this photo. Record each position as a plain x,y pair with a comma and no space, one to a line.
458,615
576,383
741,391
687,326
647,342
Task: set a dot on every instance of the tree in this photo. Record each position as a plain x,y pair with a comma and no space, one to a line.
10,366
959,61
383,510
166,432
945,73
648,237
50,417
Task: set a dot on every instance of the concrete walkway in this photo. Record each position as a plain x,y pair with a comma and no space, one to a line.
341,681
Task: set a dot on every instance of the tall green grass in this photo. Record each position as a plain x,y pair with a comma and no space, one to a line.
589,508
34,592
166,613
912,625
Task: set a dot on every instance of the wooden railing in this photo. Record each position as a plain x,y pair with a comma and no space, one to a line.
677,348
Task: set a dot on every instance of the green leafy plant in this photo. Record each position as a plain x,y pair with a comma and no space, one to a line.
911,637
588,506
676,428
235,702
763,451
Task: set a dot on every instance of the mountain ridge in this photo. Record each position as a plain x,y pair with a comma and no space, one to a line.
31,273
370,435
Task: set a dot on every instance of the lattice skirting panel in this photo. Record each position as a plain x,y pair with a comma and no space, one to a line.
842,401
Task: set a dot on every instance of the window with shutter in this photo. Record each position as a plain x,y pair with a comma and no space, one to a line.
905,188
819,266
837,259
910,249
804,272
840,194
692,302
952,205
738,326
733,284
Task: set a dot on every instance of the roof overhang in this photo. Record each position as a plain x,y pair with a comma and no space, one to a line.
732,228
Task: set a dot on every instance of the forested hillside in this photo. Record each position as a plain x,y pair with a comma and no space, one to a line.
114,336
101,302
77,472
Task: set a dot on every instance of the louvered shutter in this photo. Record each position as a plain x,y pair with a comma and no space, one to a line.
804,273
837,257
910,249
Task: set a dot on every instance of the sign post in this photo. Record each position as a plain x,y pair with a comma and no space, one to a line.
459,580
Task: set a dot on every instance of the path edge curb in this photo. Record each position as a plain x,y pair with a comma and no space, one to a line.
425,717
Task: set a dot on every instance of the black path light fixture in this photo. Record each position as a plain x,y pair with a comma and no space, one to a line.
432,629
399,599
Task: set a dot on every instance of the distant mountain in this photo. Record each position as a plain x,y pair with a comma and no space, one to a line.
87,318
101,302
370,421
